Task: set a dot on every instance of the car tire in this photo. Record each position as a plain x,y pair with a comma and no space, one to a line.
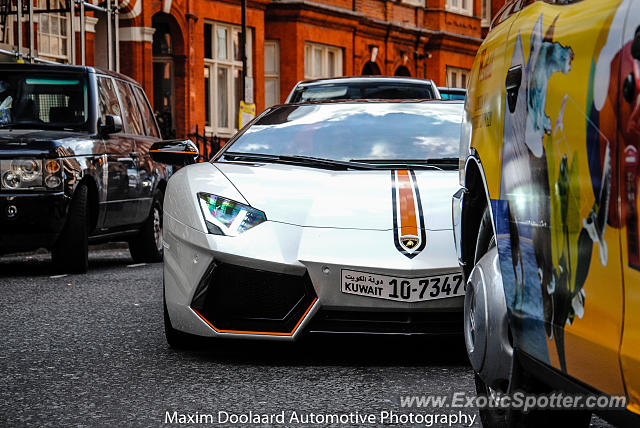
519,380
176,338
146,246
490,417
70,254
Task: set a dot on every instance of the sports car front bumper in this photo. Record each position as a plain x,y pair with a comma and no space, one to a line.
278,281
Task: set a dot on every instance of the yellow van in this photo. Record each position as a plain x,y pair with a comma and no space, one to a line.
546,224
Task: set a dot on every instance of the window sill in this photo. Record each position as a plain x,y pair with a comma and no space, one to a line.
219,132
414,3
460,12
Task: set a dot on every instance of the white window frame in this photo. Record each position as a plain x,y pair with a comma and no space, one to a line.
325,50
454,77
9,43
486,13
233,65
463,7
274,76
65,39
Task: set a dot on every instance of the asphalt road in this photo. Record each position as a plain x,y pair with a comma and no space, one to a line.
89,350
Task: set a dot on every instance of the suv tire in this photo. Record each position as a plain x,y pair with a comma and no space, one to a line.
70,254
146,247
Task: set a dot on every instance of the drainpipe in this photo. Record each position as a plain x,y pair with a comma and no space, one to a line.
31,47
19,21
110,61
83,35
116,35
243,47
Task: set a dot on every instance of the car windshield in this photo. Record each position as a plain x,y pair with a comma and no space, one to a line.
452,95
363,90
350,131
43,101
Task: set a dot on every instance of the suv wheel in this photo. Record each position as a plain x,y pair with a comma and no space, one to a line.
71,253
146,247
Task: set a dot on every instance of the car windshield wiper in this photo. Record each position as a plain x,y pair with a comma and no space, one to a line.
400,163
440,164
298,160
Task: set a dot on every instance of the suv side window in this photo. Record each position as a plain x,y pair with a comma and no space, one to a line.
132,117
107,98
147,115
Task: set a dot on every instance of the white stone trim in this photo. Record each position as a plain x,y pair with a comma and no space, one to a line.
135,11
89,24
166,7
136,34
417,3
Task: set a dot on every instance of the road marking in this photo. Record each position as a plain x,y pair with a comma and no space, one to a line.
58,276
137,265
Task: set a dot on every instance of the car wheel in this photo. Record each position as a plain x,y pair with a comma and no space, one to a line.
146,247
515,379
474,314
176,338
70,254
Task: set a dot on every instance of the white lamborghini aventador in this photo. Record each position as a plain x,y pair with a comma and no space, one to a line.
320,217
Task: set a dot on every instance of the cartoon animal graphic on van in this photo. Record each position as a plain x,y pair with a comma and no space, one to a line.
546,57
549,245
616,94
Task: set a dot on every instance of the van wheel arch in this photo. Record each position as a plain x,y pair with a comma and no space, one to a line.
476,200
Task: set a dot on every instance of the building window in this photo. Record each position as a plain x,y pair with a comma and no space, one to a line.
271,73
6,33
53,30
457,77
460,6
322,61
223,76
486,13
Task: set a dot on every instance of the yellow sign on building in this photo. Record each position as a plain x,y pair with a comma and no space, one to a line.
246,113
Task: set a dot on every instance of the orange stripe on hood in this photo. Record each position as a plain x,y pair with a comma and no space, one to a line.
408,218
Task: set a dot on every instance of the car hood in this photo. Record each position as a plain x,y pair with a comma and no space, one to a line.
354,199
46,143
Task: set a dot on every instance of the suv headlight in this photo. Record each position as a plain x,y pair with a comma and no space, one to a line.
226,217
30,174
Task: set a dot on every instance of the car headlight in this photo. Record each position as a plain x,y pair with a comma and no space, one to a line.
29,169
30,174
226,217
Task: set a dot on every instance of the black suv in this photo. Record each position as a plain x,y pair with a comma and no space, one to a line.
75,165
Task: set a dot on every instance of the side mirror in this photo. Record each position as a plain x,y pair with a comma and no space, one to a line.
112,125
635,46
175,152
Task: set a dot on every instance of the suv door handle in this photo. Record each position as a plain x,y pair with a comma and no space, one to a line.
513,82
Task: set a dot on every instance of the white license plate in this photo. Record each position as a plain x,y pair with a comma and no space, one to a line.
402,289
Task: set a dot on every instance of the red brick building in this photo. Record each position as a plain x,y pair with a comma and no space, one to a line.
186,53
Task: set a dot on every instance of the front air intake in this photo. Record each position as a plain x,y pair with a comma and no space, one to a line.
237,299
